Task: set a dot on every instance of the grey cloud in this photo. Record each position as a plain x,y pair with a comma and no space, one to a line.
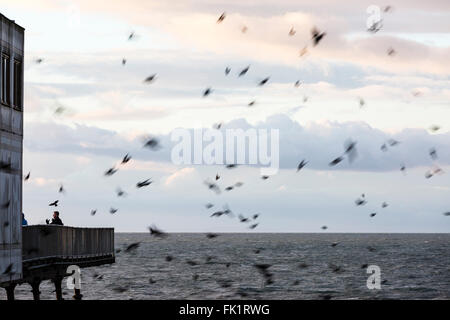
319,144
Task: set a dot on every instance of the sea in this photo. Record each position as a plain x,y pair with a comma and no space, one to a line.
299,266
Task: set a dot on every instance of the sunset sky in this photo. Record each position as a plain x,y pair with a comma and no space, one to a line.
109,108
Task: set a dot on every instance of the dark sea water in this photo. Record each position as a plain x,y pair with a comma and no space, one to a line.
413,266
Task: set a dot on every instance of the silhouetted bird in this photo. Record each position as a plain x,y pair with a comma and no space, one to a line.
6,205
61,189
334,244
93,212
231,166
144,183
120,192
264,81
229,188
434,128
124,61
217,177
264,177
303,51
393,142
227,71
221,18
433,153
150,78
384,205
446,213
251,103
132,246
113,210
324,227
126,158
391,51
212,186
373,214
207,92
209,205
110,171
27,176
301,165
154,231
8,270
253,226
211,235
152,143
291,32
39,60
336,161
242,218
376,26
317,36
244,71
297,83
131,36
384,147
54,204
255,216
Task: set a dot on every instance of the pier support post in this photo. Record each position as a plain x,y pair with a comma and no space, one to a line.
10,291
57,281
35,289
78,294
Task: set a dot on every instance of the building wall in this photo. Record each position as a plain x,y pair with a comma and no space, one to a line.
11,137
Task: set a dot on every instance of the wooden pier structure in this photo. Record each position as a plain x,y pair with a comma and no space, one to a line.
48,251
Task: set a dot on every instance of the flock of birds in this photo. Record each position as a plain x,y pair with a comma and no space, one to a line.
153,144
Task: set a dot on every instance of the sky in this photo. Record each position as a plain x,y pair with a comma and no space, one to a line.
108,109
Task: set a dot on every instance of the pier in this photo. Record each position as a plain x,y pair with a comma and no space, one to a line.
48,250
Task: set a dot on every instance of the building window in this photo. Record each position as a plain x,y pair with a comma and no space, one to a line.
17,84
5,79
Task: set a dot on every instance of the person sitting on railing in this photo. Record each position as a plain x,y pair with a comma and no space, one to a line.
56,220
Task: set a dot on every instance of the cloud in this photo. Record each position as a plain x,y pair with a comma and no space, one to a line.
318,143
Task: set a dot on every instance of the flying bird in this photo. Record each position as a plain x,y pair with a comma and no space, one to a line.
217,177
384,205
221,18
253,226
154,231
209,205
244,29
54,204
207,92
27,176
38,60
211,235
61,189
144,183
264,177
373,214
434,128
124,61
251,103
113,210
132,246
303,51
376,26
301,165
93,212
391,52
131,36
292,32
336,161
244,71
227,71
150,78
110,171
297,84
264,81
317,36
152,143
433,153
126,159
120,192
212,186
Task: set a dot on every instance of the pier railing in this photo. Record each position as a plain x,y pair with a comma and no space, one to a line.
44,245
